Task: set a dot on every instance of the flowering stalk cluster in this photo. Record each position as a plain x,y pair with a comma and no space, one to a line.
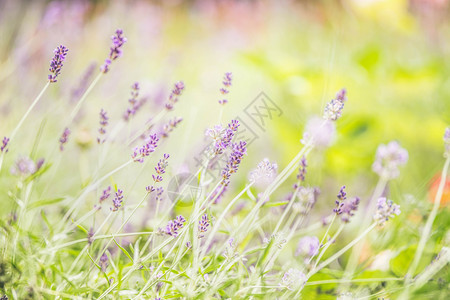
4,146
222,137
146,149
238,152
203,225
308,246
170,126
293,279
103,263
227,78
265,173
103,123
105,194
385,209
64,138
341,197
333,110
176,92
349,208
301,171
57,62
115,51
117,201
174,226
160,170
134,103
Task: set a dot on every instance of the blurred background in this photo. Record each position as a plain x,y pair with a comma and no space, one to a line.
391,56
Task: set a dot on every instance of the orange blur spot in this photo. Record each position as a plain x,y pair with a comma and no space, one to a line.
445,200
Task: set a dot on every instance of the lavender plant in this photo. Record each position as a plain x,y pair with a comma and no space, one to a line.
241,237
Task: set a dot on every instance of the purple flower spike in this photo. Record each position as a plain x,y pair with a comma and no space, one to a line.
135,105
170,126
203,225
176,92
146,149
174,226
349,208
115,50
117,201
302,169
386,210
341,197
227,78
57,62
4,146
222,136
64,138
105,195
103,123
333,110
162,165
238,152
103,263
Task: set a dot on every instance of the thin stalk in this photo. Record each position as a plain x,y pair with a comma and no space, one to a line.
429,224
83,98
16,129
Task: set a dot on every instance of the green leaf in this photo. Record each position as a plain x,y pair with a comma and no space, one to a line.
44,202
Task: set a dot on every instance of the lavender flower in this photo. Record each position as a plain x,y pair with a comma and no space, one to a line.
162,165
222,136
446,142
341,95
307,198
385,209
333,110
159,192
301,170
341,197
227,78
103,263
174,226
293,279
90,236
203,225
265,173
170,126
176,92
308,245
238,152
388,158
146,149
349,208
134,103
115,51
105,194
23,166
103,123
117,201
4,146
64,138
57,62
319,132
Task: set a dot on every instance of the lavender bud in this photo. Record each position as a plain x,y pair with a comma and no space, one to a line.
227,78
176,92
385,209
64,138
349,208
103,123
103,263
4,145
57,62
115,51
203,225
264,174
174,226
341,197
293,279
117,201
146,149
333,110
